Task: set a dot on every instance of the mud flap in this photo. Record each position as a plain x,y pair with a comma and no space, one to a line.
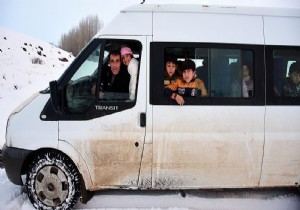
86,195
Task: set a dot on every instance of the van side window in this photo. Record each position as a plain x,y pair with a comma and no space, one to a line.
225,73
104,77
286,73
120,68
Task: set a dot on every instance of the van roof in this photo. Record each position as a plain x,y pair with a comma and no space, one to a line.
202,8
237,24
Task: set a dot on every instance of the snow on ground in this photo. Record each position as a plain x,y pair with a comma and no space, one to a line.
20,78
13,198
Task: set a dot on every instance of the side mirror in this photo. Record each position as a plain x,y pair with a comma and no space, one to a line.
54,96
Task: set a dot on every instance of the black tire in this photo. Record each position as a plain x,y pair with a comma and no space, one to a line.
53,181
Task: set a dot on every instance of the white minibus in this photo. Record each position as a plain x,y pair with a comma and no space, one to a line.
241,129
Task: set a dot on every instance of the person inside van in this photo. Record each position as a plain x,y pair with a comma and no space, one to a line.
132,68
292,85
171,67
188,85
115,79
240,87
247,82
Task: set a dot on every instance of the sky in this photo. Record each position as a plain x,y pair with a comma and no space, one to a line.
48,20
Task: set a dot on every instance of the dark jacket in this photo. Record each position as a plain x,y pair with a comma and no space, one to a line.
118,83
290,89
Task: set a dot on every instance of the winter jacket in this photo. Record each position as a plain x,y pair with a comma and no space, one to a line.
133,71
168,80
290,89
118,83
193,88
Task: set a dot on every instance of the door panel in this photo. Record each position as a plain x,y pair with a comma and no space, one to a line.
111,145
207,146
281,164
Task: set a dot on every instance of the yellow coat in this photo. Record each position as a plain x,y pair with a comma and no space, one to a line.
195,87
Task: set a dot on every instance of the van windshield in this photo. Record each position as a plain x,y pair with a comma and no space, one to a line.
79,94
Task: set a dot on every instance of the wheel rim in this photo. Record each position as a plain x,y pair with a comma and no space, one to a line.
51,185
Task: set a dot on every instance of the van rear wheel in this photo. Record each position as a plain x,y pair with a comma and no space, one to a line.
53,181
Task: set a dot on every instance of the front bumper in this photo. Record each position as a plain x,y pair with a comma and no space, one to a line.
13,160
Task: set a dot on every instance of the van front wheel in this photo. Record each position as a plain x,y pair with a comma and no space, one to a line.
53,181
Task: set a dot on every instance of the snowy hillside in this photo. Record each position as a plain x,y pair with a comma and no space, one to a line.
24,59
26,66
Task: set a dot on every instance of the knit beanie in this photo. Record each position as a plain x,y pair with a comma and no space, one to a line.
125,51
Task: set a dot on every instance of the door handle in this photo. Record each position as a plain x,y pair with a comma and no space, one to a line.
143,119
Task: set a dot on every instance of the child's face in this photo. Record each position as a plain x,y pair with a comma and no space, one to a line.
188,75
170,68
126,59
295,77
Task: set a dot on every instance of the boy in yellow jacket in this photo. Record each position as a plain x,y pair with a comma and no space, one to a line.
188,85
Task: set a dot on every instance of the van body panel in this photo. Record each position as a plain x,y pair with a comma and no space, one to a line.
217,28
213,9
149,121
136,24
23,125
282,30
145,177
281,165
108,147
78,161
112,145
207,146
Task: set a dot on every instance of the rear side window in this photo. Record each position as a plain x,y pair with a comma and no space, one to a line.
283,75
226,73
286,70
231,73
221,74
